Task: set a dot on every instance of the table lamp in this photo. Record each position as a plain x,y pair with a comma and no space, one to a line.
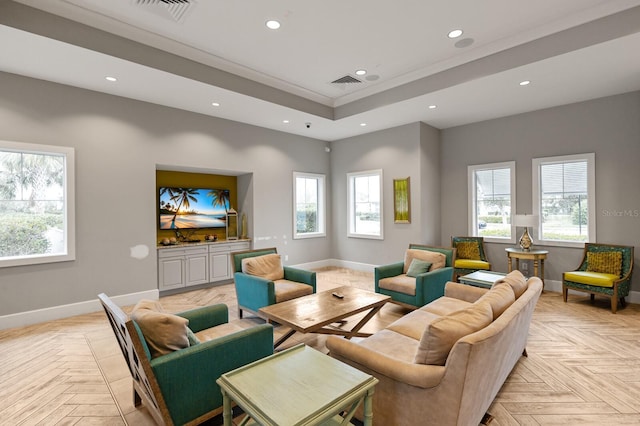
525,220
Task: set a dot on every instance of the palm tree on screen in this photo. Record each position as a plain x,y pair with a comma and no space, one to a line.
220,198
182,197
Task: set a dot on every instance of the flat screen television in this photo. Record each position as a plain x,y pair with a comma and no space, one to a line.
193,208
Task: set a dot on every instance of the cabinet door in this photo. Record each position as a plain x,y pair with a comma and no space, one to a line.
219,266
171,274
196,271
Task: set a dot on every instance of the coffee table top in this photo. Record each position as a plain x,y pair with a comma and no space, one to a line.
298,386
309,313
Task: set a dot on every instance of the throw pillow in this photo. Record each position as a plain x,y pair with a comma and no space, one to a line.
500,297
418,267
516,280
163,332
442,333
606,262
438,260
267,266
468,250
193,339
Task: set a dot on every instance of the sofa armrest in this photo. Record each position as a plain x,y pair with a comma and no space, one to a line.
386,271
254,292
468,293
430,285
420,375
198,367
206,316
301,276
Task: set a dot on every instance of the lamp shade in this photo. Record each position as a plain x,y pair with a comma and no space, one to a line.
525,220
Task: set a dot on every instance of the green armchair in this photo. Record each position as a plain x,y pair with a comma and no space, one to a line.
267,285
605,269
416,289
470,256
180,388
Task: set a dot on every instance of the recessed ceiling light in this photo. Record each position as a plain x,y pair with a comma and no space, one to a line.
363,124
285,121
454,33
216,104
361,72
525,83
272,24
433,106
109,78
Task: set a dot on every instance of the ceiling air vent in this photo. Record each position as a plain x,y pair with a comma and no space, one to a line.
174,9
346,79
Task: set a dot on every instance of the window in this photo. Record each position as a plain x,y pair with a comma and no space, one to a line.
563,198
308,205
365,204
492,201
36,204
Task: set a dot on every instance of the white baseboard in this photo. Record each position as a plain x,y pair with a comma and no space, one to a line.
22,319
356,266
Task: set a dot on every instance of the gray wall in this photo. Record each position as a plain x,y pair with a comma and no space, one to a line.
118,144
406,151
609,127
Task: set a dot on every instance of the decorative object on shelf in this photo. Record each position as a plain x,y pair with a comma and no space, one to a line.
211,237
243,228
232,224
526,221
401,201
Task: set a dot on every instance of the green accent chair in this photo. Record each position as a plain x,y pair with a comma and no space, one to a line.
255,292
600,273
470,256
180,388
422,289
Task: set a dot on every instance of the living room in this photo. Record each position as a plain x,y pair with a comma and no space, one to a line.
120,144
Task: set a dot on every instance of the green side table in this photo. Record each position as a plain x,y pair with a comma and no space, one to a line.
295,387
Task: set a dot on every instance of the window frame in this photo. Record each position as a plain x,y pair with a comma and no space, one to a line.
321,205
536,163
351,204
68,155
472,199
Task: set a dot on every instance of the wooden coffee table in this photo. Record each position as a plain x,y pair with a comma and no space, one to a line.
316,312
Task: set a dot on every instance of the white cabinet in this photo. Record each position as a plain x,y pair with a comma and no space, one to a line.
183,266
220,259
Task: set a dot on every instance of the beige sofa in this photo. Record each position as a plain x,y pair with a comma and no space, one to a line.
434,367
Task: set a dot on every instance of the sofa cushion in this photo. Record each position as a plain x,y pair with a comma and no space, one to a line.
437,260
445,306
400,283
500,297
218,331
516,280
442,333
413,324
163,332
606,262
591,278
267,266
393,345
418,267
287,290
468,250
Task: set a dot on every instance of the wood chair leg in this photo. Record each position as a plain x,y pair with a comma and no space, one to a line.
592,297
614,304
486,419
565,293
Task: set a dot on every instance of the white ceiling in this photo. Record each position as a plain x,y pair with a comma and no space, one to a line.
571,50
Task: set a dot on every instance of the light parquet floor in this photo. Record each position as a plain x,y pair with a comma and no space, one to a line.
583,366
